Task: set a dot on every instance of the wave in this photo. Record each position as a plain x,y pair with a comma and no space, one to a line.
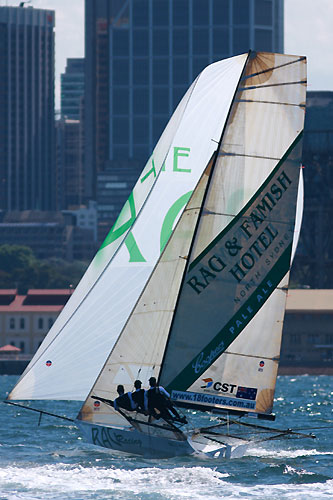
153,483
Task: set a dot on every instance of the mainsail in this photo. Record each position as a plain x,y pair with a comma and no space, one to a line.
209,320
234,291
74,351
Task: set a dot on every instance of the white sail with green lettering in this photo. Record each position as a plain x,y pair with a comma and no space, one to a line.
73,353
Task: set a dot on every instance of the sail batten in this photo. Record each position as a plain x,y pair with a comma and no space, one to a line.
253,87
303,58
273,102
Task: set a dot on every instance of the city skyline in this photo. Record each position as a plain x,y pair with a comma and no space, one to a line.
301,18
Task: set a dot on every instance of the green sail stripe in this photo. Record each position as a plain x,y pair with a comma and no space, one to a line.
116,233
226,336
133,249
249,203
170,218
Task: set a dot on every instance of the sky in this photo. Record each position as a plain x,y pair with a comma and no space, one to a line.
308,31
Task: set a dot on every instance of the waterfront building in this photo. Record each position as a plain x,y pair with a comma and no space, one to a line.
52,234
25,319
307,341
27,139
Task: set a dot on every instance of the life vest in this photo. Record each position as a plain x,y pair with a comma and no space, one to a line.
155,398
124,402
139,398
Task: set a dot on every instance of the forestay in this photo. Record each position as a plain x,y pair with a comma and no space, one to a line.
74,352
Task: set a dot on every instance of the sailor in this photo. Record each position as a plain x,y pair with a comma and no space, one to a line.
157,398
138,396
124,401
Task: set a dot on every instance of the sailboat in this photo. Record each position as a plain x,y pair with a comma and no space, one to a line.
190,284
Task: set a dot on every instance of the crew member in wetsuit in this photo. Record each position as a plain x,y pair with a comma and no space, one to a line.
124,401
138,396
157,398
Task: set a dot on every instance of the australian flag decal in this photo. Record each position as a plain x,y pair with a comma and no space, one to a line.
246,393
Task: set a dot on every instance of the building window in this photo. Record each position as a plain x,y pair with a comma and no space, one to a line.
181,13
263,12
312,338
50,322
140,42
263,39
200,12
22,346
241,39
161,42
140,101
12,323
295,338
22,323
140,71
120,101
160,71
40,323
161,101
329,338
241,11
121,42
160,12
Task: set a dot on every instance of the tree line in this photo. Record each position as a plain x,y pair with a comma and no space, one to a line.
20,269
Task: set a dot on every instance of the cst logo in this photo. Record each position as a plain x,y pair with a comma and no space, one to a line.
208,382
219,386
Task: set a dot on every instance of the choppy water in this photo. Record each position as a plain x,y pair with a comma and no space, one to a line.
53,462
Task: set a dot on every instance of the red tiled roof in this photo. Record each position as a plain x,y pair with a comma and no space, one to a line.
18,304
46,291
10,291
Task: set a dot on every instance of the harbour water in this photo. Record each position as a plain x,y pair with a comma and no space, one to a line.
52,461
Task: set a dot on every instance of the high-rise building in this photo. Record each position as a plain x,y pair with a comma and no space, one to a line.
313,264
69,176
27,109
72,89
141,56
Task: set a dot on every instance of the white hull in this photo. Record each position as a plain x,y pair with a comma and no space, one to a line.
131,441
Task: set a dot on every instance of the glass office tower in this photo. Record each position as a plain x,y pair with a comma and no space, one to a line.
72,89
141,56
27,149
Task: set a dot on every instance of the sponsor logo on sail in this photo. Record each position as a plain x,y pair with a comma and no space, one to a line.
48,362
250,243
214,400
208,382
203,361
226,387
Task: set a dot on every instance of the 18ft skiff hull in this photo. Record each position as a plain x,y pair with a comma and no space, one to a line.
132,441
